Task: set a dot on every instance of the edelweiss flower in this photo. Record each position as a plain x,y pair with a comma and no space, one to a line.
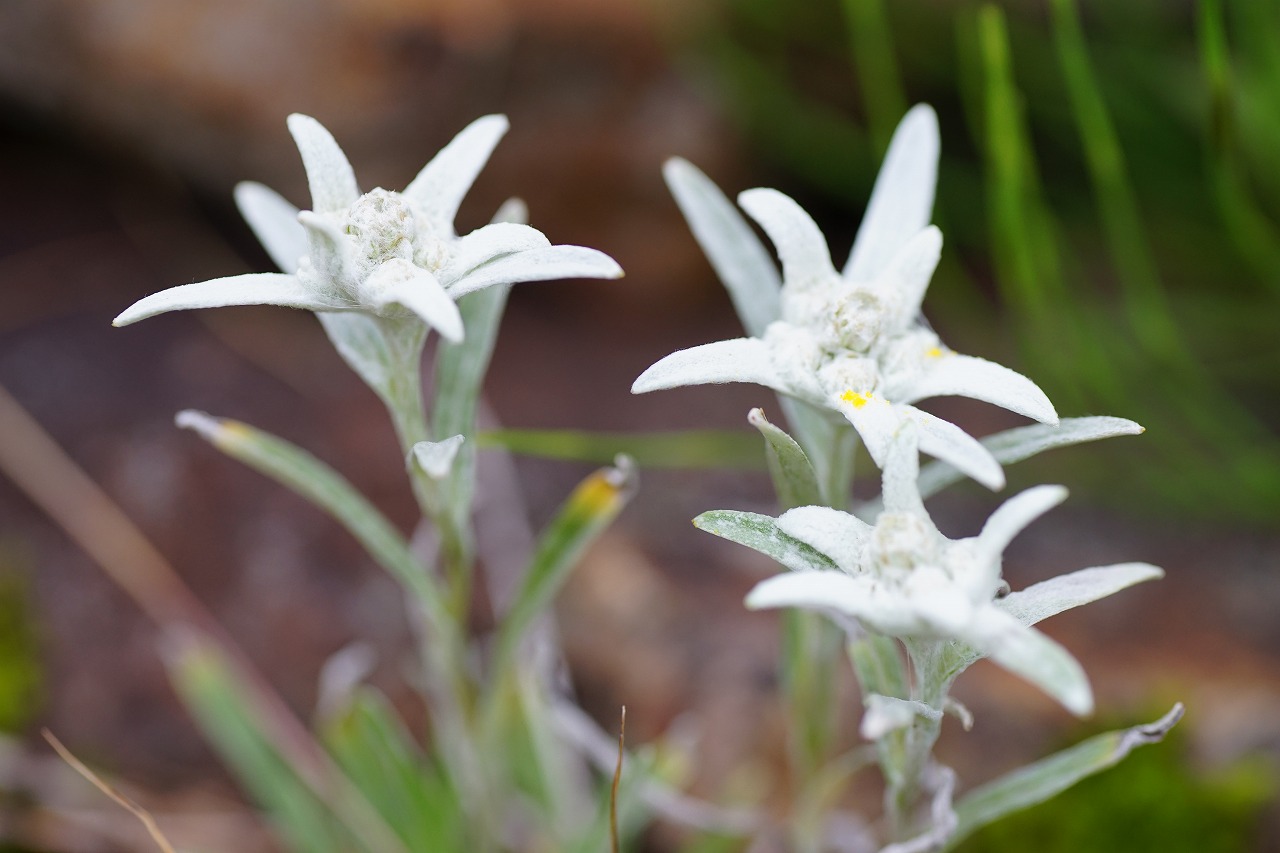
382,253
902,578
853,342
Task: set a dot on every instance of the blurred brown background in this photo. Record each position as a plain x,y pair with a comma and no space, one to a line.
124,125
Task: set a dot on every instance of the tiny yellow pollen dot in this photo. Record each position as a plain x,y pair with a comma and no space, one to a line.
934,352
857,399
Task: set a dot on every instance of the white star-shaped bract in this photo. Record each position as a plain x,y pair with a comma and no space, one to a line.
383,253
852,341
902,578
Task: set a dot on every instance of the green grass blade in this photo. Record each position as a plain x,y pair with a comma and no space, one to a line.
372,746
306,475
1048,777
871,43
441,644
687,449
1141,289
316,808
1255,237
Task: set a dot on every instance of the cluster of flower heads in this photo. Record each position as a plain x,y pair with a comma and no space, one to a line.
854,342
850,343
382,253
854,345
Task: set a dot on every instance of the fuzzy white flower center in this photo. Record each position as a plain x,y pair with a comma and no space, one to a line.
382,225
900,543
856,321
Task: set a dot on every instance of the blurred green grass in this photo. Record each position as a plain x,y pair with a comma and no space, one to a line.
1109,192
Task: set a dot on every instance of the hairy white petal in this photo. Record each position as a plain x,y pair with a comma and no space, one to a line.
329,174
902,200
550,263
901,470
736,253
837,534
806,260
859,596
398,282
735,360
442,184
946,441
1027,652
1014,515
268,288
1051,597
274,221
878,421
487,244
903,284
967,376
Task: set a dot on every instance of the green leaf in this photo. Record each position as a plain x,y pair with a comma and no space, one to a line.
301,472
593,505
793,476
311,803
687,449
1048,777
761,533
372,746
459,377
1015,445
441,642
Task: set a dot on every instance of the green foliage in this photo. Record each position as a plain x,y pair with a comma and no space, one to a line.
21,679
1155,800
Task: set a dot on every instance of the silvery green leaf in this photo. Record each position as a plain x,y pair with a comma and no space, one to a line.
806,260
399,282
1025,651
550,263
316,481
1054,596
585,513
1020,443
792,473
877,661
442,184
275,223
902,200
735,360
761,533
1050,776
1049,598
835,534
359,340
435,458
737,255
968,376
329,174
267,288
